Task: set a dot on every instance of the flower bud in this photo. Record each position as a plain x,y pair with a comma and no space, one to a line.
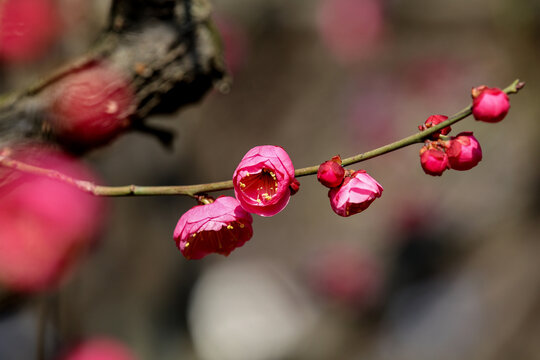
331,173
218,227
91,106
295,186
355,194
433,159
489,104
464,151
435,120
262,181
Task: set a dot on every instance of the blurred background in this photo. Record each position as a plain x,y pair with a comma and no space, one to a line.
437,268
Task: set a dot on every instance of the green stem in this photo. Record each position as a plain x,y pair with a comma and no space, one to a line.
193,190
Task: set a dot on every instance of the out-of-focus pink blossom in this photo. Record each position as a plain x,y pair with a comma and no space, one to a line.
434,160
346,275
355,194
331,173
373,110
92,106
433,77
218,227
235,44
351,29
263,179
489,104
44,223
435,120
100,348
27,28
464,151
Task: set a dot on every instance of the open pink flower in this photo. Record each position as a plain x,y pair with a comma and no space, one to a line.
218,227
355,194
100,348
44,223
489,104
263,179
433,159
464,151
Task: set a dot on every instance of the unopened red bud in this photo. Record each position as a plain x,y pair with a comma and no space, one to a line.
92,106
295,186
435,120
464,151
331,173
489,104
434,160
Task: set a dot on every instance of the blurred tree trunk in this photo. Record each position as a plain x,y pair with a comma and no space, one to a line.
169,49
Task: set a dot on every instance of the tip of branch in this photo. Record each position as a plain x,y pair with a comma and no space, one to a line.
515,87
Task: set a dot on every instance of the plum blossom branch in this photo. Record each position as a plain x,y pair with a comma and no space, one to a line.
194,190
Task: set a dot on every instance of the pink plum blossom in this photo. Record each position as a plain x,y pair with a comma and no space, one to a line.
99,348
44,223
218,227
346,275
262,181
351,29
331,173
464,151
355,194
27,28
92,106
435,120
489,104
433,159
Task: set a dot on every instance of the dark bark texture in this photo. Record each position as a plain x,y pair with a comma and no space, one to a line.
169,49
